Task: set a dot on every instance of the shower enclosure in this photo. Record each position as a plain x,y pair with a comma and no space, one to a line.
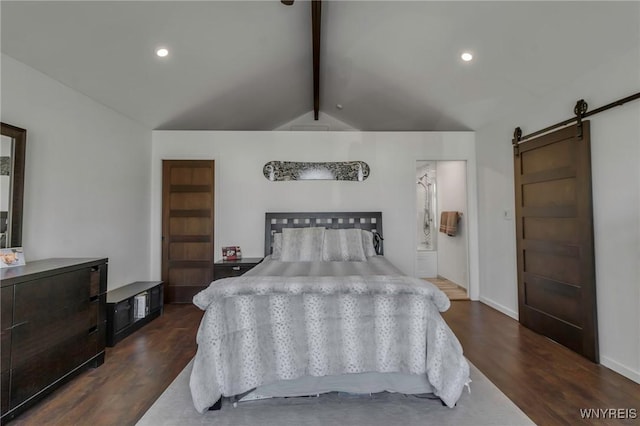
426,204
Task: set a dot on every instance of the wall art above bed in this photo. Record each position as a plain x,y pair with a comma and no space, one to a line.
277,171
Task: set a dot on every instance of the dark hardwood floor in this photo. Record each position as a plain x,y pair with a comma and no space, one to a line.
136,371
548,382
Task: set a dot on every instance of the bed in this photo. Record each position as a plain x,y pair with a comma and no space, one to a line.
325,311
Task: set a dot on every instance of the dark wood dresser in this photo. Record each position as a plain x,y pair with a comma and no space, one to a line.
53,327
234,268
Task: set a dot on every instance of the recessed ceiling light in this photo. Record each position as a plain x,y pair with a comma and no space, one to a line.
466,56
162,52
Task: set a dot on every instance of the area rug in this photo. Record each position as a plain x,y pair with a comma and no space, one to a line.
484,405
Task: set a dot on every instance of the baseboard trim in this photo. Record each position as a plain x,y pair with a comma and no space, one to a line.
499,307
620,369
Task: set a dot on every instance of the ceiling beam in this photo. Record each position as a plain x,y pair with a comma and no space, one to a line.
316,9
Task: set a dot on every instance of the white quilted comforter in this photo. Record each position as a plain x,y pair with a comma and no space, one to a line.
261,329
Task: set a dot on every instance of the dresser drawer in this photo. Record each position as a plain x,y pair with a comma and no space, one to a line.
4,390
230,271
30,376
6,296
234,268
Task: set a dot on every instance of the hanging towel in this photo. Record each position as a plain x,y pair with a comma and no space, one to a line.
452,224
444,216
449,223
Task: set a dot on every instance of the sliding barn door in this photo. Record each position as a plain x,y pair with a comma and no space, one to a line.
187,228
556,263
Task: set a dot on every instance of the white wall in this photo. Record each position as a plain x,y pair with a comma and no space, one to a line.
87,175
243,195
616,195
325,122
451,178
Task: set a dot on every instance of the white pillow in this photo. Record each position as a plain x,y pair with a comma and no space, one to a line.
276,252
367,243
343,245
301,244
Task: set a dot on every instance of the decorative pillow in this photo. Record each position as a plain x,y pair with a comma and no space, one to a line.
343,245
367,243
276,251
301,244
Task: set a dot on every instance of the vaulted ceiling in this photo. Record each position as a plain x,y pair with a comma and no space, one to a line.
247,65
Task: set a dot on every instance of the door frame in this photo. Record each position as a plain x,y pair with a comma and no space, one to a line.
473,253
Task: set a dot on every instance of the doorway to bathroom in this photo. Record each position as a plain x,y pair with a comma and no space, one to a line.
441,226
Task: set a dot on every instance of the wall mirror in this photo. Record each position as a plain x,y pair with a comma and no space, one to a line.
12,152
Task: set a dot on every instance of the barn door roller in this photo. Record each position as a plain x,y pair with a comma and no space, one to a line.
580,111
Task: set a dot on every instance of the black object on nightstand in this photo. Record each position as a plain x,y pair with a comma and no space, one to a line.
234,268
125,314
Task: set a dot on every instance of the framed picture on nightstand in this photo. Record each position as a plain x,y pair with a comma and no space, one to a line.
231,253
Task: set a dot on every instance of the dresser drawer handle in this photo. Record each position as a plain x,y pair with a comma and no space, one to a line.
236,268
18,325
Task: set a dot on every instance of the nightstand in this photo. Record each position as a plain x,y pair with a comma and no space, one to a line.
234,268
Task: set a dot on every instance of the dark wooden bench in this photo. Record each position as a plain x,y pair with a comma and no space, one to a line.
122,319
